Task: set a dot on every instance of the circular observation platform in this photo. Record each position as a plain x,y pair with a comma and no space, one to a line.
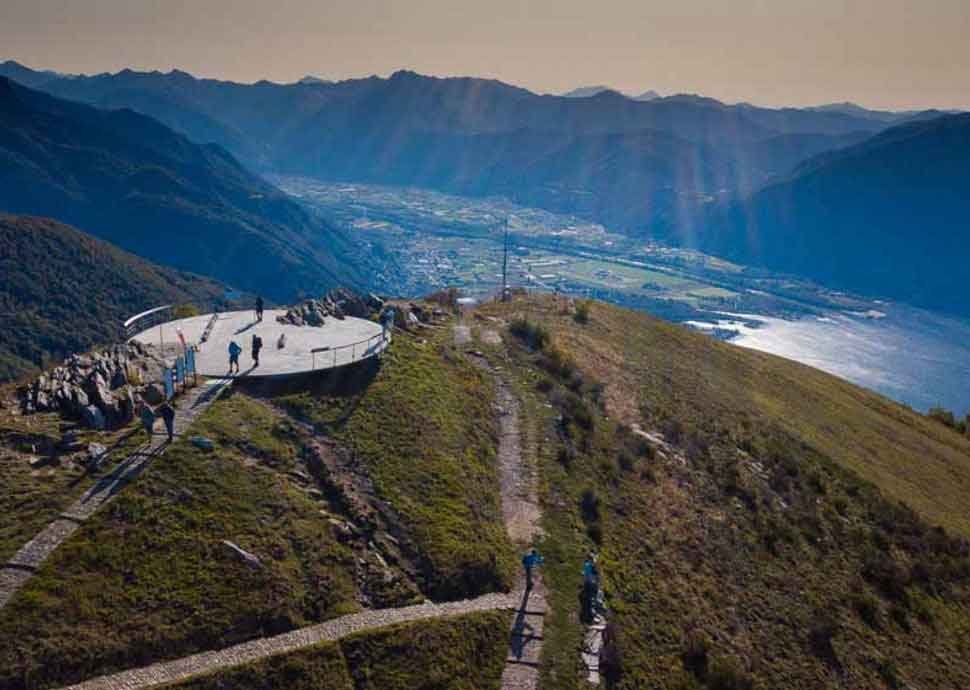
305,348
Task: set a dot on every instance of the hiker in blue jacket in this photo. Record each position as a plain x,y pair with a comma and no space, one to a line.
234,352
530,560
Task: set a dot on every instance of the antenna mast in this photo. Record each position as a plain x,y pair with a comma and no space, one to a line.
505,263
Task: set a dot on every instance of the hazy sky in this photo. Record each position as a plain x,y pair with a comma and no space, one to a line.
881,53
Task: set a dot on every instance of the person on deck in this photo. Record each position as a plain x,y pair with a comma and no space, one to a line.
259,308
257,346
234,352
167,413
530,560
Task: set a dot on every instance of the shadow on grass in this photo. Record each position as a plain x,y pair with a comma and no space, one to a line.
346,385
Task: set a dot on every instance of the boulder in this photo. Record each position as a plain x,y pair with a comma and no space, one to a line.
242,555
92,417
119,378
153,394
96,455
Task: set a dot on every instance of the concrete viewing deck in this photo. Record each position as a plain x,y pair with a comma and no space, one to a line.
347,341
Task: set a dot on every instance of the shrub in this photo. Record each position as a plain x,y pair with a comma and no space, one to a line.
888,576
626,461
582,311
867,606
820,635
726,673
184,311
947,418
696,651
589,504
535,335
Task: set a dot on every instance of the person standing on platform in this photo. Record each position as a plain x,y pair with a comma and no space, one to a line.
259,308
257,346
234,352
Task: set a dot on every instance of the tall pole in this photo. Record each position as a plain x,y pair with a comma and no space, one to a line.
505,262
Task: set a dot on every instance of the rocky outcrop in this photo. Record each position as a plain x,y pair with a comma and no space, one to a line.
101,389
339,303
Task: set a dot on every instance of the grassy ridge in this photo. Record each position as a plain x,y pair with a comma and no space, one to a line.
455,653
148,578
770,549
425,432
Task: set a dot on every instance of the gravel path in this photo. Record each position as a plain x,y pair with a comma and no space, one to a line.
32,555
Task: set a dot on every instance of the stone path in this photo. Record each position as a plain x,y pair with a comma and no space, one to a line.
167,672
32,555
521,515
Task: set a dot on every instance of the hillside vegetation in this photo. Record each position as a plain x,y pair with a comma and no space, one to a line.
761,524
63,291
130,180
886,217
386,495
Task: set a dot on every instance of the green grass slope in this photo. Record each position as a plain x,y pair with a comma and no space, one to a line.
798,531
63,291
424,430
148,577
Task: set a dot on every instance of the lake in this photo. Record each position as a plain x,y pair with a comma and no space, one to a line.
919,358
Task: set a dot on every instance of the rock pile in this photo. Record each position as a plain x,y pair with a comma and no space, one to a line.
101,389
339,303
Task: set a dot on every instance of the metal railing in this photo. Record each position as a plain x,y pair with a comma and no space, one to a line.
358,351
147,319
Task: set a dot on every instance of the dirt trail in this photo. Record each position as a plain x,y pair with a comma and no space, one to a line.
521,514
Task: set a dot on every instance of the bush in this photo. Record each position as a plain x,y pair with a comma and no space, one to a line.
867,606
696,651
184,311
888,576
535,335
589,504
582,311
727,674
820,635
947,418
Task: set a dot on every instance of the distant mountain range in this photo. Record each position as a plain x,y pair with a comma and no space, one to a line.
674,168
588,91
63,291
889,216
130,180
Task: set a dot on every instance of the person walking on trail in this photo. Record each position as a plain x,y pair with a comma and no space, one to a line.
257,346
147,416
167,413
234,352
259,308
530,560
